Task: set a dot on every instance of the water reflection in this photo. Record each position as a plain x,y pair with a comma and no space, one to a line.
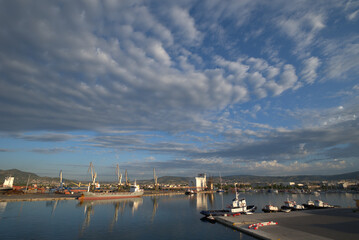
154,209
119,206
2,206
201,201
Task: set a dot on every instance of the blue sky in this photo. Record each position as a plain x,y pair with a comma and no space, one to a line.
245,87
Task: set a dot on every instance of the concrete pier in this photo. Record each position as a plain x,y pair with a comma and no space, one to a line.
37,197
337,223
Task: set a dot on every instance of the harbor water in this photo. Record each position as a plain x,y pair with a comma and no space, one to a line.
149,217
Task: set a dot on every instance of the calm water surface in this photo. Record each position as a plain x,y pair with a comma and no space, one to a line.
163,217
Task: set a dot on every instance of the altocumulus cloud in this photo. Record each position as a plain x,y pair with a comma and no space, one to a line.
182,79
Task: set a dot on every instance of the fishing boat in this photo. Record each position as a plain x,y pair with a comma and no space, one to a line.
289,204
270,208
298,207
309,204
319,204
237,207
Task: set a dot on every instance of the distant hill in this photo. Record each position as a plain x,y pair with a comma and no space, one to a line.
298,178
21,177
168,180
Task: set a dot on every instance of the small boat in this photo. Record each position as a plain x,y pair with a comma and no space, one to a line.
319,204
298,207
292,205
316,193
189,192
286,210
289,204
270,208
238,206
309,204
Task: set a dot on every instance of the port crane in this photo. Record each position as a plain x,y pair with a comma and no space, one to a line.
91,170
119,175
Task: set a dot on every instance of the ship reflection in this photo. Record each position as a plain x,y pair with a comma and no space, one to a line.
119,206
154,209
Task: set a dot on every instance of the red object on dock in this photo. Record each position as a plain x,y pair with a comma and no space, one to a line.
255,226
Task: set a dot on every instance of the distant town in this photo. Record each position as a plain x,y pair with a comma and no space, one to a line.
202,182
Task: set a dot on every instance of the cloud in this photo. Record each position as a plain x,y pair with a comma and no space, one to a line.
47,137
302,27
309,71
343,57
49,150
353,15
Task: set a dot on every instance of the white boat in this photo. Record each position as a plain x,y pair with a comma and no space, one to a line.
8,184
297,207
309,204
289,204
190,192
321,204
238,206
270,208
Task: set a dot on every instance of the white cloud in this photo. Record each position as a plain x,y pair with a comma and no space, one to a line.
353,15
185,25
309,71
160,54
302,28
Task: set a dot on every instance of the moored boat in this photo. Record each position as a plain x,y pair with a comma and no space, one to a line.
289,204
298,207
319,204
309,204
189,192
270,208
238,206
134,192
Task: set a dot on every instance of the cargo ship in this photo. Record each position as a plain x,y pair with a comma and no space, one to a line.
134,192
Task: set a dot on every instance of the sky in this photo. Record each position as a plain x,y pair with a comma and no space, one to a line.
248,87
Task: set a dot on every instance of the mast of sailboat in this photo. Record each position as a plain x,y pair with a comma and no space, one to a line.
220,179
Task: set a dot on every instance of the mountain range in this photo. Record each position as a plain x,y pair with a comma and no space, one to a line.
21,178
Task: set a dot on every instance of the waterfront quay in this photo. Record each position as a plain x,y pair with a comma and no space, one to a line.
56,196
337,223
